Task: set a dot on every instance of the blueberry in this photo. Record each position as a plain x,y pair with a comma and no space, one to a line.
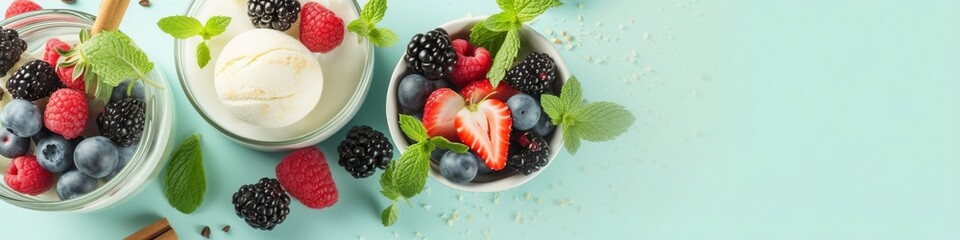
458,168
413,92
524,110
43,133
11,145
120,91
545,126
437,154
482,167
126,153
96,156
21,117
55,153
73,184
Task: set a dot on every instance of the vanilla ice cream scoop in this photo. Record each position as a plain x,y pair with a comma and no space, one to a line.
268,79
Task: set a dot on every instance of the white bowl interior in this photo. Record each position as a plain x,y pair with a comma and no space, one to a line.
460,29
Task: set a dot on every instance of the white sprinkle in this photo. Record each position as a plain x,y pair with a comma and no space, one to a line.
417,234
564,202
697,14
361,237
646,36
528,196
539,201
395,235
427,206
496,198
621,26
460,198
555,40
581,5
563,33
568,46
488,234
599,24
579,17
518,217
549,31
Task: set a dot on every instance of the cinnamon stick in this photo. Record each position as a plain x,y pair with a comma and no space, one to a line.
168,235
110,15
152,231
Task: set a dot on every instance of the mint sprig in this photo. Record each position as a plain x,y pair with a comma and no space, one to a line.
406,177
184,181
105,60
184,27
499,33
595,122
366,25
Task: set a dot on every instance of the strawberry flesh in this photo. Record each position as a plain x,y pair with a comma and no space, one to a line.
440,111
485,128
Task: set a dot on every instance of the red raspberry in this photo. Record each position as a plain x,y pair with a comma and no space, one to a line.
306,176
18,7
66,113
473,63
26,176
50,54
320,29
66,77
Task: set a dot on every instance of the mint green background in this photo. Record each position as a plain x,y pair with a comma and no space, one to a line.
757,120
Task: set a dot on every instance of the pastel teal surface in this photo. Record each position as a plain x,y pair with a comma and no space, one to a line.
756,120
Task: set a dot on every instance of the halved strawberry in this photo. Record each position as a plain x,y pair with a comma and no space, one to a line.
485,128
479,90
440,111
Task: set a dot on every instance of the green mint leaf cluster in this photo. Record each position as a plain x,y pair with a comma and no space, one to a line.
595,122
366,25
499,33
112,57
407,176
184,27
184,182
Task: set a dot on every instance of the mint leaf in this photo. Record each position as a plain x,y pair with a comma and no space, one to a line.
360,27
441,142
215,26
601,121
180,27
114,58
389,215
184,182
553,106
387,184
504,60
365,26
570,141
486,38
527,10
411,174
506,5
572,94
382,37
502,22
203,54
413,128
374,10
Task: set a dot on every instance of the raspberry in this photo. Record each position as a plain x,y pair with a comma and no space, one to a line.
320,29
50,54
66,113
473,63
66,77
306,176
26,176
18,7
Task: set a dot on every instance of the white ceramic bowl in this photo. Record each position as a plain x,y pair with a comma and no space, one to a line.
505,179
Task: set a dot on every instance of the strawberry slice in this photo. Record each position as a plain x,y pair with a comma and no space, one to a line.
476,91
485,128
440,111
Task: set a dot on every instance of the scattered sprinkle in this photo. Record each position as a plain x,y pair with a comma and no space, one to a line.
226,228
427,206
205,232
579,18
496,198
564,202
549,31
555,40
581,5
517,217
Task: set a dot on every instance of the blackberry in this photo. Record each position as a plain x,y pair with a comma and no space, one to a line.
431,54
263,205
535,75
274,14
122,122
364,150
528,152
11,46
34,80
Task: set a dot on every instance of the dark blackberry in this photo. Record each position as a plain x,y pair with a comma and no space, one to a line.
364,150
535,75
274,14
263,205
122,122
11,47
528,152
431,54
34,80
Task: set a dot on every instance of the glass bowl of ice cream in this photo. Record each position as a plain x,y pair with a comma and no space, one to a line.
266,90
70,180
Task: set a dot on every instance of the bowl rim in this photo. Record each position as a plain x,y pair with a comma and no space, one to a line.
531,37
152,156
313,137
